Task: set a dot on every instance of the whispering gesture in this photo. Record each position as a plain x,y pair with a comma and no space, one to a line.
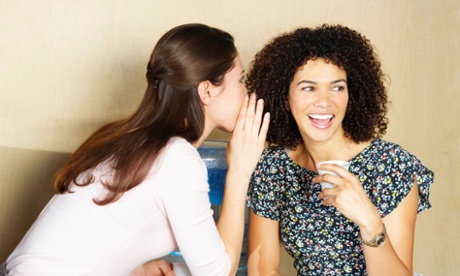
248,138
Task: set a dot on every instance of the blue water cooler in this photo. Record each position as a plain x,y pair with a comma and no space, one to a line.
213,153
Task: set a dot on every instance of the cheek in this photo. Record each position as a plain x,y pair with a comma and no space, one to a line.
342,103
231,109
236,106
238,99
298,104
234,102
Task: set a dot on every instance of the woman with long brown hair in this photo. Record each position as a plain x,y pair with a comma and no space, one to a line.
137,188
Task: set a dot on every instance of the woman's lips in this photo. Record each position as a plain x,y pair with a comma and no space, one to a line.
321,120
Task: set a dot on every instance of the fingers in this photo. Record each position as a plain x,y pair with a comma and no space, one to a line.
326,199
165,268
256,120
248,139
242,116
154,268
252,117
248,113
261,120
328,178
264,128
334,168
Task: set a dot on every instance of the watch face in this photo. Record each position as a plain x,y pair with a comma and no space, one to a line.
379,240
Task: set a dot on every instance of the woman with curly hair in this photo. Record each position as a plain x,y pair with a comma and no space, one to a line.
325,91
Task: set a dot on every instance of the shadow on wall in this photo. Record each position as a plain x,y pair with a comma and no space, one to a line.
26,186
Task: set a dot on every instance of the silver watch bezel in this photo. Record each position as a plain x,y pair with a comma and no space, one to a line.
377,241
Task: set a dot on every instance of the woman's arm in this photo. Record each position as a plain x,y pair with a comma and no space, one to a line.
244,150
263,246
394,256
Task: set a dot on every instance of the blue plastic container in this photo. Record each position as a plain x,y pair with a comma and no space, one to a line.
214,154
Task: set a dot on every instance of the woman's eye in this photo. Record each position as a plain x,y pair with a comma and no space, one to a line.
338,88
308,88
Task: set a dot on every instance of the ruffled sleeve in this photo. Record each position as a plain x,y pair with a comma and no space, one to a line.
390,175
425,178
265,188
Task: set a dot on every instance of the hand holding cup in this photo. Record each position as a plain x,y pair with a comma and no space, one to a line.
343,164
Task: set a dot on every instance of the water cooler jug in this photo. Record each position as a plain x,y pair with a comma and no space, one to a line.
213,153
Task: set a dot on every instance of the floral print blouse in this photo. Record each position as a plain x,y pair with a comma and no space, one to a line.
319,238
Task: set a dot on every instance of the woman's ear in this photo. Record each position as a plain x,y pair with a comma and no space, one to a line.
204,92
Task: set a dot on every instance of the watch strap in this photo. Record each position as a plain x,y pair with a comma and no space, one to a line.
377,241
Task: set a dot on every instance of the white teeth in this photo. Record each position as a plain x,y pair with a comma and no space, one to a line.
321,116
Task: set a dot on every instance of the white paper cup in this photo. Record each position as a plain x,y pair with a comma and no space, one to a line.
343,164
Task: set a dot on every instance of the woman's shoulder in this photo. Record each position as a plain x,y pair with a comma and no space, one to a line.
178,154
179,147
274,152
275,162
274,156
384,154
393,169
177,141
383,150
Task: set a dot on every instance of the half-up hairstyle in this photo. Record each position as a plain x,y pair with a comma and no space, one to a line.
183,58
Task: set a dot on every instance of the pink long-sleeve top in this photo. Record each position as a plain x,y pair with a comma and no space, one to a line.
169,209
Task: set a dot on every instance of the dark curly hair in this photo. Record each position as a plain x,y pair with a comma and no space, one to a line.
274,67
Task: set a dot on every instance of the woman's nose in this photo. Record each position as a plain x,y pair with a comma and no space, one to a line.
322,98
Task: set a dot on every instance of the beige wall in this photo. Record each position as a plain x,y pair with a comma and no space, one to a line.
66,67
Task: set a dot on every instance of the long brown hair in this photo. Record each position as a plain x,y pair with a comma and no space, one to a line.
183,57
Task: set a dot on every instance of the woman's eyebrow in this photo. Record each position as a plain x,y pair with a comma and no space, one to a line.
313,82
306,81
339,80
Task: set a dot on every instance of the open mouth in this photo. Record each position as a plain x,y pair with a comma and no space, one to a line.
321,120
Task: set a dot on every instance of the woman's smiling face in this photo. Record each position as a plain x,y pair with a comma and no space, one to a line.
318,98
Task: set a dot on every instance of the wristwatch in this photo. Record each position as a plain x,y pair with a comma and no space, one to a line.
377,241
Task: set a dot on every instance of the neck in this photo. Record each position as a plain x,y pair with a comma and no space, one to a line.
308,153
206,132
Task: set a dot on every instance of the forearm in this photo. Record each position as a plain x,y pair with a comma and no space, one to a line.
231,219
259,264
383,260
394,256
264,246
244,149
